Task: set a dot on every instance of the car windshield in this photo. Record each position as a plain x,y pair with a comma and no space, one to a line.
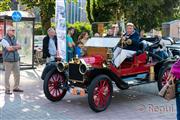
105,34
102,42
108,29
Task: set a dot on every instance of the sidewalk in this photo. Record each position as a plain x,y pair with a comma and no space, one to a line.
137,103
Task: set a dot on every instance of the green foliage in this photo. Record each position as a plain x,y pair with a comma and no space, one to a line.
99,11
47,10
80,27
5,5
38,30
88,11
152,14
145,14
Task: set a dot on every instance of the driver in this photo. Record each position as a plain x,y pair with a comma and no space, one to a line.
120,54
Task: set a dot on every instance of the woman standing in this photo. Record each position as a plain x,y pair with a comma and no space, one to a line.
175,70
83,38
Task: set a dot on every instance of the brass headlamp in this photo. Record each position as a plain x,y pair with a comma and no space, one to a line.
62,66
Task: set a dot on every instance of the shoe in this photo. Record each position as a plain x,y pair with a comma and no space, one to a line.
17,90
8,92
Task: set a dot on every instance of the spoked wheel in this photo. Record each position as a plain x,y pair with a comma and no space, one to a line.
100,93
54,85
163,76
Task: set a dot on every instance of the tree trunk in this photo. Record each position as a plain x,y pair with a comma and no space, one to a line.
88,10
45,21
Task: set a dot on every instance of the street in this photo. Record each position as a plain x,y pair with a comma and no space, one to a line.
137,103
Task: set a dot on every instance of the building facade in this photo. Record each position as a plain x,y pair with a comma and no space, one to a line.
76,11
171,29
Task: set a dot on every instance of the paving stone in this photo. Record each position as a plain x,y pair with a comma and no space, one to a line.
137,103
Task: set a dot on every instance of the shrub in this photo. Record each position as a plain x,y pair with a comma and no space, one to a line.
38,29
80,27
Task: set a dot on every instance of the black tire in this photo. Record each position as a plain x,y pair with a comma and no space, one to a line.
57,84
105,94
163,74
48,67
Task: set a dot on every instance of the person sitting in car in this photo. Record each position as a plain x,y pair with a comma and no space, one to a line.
120,54
109,33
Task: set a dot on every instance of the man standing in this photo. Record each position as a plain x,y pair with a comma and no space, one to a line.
120,54
11,60
70,43
50,45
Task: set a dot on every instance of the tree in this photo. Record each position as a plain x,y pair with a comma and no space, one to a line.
146,14
177,13
7,5
100,10
88,10
47,10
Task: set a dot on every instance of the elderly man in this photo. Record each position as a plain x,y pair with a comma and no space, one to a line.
11,60
50,45
120,54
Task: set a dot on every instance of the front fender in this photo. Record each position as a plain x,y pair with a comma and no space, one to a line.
162,64
50,66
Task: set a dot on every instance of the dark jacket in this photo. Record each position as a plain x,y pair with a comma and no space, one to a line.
46,45
135,41
12,56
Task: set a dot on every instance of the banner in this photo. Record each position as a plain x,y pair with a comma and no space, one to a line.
60,19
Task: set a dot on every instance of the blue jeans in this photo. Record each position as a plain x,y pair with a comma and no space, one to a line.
178,99
70,56
162,54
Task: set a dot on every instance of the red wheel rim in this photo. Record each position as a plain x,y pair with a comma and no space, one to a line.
165,77
55,85
101,94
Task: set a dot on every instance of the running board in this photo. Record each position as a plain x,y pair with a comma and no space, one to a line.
138,82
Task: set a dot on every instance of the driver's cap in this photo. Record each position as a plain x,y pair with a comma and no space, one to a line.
130,24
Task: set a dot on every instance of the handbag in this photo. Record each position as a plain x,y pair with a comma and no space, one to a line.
168,90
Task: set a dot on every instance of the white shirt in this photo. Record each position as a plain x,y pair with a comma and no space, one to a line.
4,43
52,47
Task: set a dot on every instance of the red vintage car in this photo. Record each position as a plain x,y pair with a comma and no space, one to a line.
95,74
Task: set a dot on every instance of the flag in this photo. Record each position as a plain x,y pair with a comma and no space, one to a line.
60,20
